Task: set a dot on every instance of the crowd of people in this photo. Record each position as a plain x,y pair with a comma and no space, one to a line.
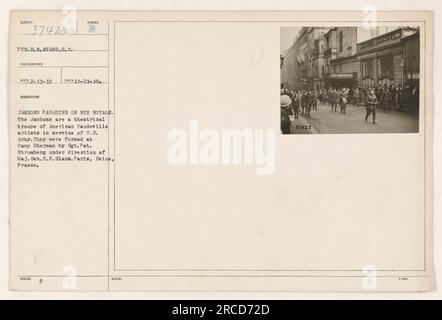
301,102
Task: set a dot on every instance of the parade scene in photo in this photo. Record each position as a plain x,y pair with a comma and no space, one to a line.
349,80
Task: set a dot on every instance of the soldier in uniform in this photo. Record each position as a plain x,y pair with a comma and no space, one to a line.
343,102
302,102
308,103
315,100
334,97
370,103
330,98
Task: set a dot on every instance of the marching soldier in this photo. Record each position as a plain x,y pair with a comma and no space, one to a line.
308,103
343,102
303,100
330,98
334,97
371,102
315,100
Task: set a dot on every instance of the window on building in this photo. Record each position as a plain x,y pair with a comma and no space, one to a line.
386,67
367,69
341,41
412,56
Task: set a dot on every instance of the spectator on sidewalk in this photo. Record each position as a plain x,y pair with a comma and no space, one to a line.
285,114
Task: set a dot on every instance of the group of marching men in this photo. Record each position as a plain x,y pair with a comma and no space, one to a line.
304,101
404,97
294,103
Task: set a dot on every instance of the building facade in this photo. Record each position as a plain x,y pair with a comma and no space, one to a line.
411,58
304,61
333,57
341,67
382,59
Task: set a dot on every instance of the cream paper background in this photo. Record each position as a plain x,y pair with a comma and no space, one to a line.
335,202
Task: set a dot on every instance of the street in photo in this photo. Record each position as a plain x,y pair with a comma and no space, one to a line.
349,80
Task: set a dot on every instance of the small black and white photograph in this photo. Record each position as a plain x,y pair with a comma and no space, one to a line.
349,79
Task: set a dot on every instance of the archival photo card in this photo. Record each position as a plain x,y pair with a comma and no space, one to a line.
148,151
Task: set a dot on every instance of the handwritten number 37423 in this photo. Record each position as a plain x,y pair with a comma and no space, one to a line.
40,30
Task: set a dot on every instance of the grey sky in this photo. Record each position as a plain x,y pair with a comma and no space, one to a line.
288,35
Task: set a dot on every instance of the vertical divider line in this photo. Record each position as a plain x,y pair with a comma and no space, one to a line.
108,168
113,150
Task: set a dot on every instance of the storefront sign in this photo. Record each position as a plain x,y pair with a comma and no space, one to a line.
380,40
